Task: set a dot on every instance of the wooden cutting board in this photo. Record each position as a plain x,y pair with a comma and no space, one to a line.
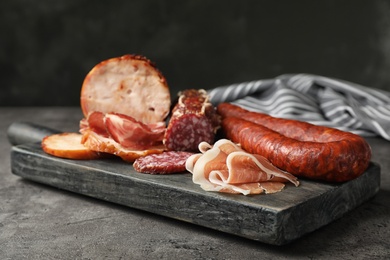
274,219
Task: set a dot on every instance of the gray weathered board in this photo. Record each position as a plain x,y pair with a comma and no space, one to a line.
274,219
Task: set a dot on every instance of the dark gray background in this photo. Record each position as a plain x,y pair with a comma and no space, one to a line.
48,46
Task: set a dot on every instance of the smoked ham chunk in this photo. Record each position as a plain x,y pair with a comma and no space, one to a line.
129,85
125,102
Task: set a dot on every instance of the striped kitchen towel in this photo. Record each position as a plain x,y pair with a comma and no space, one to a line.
315,99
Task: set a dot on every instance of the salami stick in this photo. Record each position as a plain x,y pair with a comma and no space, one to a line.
303,149
194,120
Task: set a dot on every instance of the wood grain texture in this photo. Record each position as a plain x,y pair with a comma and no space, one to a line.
275,219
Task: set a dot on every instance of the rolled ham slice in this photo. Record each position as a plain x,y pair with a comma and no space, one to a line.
225,167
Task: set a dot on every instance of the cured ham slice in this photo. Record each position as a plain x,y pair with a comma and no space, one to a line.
130,133
225,167
95,122
99,143
121,135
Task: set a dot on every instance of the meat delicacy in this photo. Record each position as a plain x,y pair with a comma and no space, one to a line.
124,130
300,148
225,167
130,85
95,142
121,135
163,163
68,146
125,102
193,120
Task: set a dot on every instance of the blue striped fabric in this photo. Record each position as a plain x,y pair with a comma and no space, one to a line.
315,99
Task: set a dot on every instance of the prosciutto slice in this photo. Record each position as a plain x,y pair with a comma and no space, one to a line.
130,133
225,167
121,135
99,143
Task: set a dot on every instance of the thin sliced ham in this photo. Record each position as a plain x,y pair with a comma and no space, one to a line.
121,135
96,122
99,143
225,167
131,133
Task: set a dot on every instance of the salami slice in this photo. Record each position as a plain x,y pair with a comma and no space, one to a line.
163,163
194,120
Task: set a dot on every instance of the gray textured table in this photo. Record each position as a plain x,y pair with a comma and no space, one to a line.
42,222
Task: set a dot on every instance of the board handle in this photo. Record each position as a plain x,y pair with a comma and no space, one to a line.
25,132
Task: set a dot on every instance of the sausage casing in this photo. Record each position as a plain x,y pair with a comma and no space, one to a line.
303,149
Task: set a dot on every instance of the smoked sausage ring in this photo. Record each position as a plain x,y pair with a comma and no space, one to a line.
300,148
